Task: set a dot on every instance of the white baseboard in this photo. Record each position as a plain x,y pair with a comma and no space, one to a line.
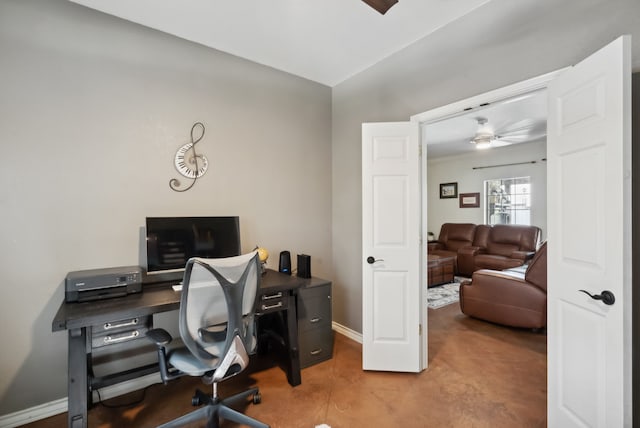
33,414
56,407
351,334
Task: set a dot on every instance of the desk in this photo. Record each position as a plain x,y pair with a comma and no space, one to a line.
76,318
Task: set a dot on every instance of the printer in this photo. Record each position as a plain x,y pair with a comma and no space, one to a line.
95,284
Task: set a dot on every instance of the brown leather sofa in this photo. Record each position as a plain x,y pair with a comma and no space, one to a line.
499,247
512,297
475,247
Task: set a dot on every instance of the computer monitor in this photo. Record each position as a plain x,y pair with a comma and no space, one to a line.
171,241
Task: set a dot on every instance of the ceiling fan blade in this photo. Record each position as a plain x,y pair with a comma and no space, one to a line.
381,6
501,143
527,126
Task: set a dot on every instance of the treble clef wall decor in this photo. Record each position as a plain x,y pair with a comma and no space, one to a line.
188,162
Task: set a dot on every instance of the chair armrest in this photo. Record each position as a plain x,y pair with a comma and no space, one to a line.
523,255
162,338
159,336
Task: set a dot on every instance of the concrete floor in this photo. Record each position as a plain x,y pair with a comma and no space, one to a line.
479,375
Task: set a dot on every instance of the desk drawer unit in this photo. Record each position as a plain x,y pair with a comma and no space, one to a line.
113,332
272,302
314,323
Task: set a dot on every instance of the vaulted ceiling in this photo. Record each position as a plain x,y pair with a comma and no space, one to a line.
326,41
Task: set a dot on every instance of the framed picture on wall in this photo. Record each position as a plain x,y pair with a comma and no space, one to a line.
469,200
448,190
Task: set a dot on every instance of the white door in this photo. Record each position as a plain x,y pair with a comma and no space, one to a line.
589,203
392,290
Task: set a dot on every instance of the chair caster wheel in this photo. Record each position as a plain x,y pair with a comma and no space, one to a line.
257,398
195,401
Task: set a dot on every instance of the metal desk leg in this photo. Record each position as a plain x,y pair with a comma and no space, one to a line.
77,386
293,360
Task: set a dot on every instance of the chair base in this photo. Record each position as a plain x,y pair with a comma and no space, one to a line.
215,409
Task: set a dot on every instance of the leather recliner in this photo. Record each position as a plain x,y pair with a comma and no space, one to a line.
453,237
513,298
499,247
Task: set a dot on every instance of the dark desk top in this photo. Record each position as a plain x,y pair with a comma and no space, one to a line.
158,297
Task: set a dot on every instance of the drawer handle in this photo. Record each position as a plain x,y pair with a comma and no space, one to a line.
315,320
316,351
109,326
132,335
266,307
272,296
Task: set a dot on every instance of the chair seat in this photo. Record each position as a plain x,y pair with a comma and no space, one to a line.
183,360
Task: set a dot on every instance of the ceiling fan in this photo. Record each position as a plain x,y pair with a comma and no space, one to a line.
381,6
519,132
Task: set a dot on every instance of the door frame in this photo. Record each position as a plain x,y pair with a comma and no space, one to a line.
476,102
467,105
458,108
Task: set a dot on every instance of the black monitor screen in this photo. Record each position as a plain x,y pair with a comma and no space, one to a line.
171,241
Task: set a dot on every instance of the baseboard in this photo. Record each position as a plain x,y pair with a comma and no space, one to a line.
56,407
345,331
33,414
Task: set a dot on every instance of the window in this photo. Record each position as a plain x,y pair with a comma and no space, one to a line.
508,201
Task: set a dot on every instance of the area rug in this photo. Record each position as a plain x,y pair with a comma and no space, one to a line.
442,295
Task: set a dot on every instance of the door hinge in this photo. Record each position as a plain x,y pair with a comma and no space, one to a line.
420,150
419,329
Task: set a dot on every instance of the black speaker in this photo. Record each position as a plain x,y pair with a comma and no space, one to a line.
285,262
304,266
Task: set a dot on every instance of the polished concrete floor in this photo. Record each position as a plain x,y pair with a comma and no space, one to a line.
479,375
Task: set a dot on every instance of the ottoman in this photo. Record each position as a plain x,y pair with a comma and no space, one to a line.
441,269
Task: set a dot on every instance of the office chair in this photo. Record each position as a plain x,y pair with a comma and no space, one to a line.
217,327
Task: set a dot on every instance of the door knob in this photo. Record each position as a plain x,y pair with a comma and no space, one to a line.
606,296
372,260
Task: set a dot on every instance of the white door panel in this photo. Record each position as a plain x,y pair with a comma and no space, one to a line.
391,227
589,222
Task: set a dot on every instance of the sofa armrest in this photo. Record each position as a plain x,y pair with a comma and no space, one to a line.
465,260
523,255
435,245
504,297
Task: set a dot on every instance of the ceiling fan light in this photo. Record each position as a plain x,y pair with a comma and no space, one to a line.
482,141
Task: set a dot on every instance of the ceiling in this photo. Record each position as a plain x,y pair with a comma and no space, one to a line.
326,41
522,119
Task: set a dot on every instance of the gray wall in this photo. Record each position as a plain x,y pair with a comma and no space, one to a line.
92,110
510,43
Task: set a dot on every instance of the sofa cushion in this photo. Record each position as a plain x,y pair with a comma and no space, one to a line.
495,262
504,239
456,235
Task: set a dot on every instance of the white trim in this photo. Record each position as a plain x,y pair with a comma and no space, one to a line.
52,408
345,331
462,106
33,414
